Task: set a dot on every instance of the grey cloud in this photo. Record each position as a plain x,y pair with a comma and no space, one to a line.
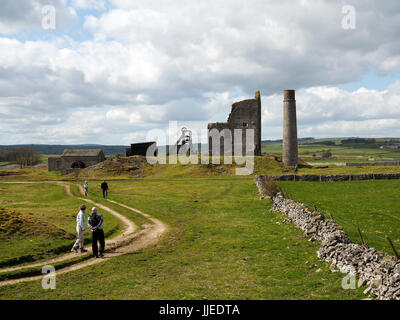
152,61
308,47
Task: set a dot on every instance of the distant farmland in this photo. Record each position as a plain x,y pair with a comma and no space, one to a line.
59,149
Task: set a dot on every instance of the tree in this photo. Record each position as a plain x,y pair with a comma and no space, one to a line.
326,154
26,156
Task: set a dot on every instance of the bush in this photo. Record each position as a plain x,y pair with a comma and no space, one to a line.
326,154
267,187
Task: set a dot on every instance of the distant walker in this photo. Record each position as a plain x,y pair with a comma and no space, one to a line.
104,188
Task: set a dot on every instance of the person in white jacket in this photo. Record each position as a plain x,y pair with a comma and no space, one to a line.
86,188
80,228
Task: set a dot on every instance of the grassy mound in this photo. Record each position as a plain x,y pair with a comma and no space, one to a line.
127,166
26,238
18,224
138,167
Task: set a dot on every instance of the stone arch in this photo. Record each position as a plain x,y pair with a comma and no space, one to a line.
78,165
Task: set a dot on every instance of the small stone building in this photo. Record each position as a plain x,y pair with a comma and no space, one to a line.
244,115
75,159
140,149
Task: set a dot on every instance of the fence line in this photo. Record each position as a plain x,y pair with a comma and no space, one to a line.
333,178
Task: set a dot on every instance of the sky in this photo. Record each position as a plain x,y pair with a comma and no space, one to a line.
110,71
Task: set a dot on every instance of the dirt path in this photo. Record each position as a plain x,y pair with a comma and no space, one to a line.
129,240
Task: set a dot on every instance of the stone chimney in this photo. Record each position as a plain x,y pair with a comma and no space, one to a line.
290,148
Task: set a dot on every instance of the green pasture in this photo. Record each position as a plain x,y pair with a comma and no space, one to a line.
340,153
373,206
48,220
223,243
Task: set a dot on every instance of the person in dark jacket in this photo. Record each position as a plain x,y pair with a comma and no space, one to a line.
95,223
104,187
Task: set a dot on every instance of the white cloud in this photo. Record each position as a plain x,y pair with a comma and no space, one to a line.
150,61
22,15
89,4
327,111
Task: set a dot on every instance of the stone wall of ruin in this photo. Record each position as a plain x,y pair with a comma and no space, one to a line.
55,164
88,161
244,115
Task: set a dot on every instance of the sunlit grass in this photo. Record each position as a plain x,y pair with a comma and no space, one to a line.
223,243
373,206
49,204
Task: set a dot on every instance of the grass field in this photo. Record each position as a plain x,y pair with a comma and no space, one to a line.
340,153
223,244
129,169
4,163
40,222
372,206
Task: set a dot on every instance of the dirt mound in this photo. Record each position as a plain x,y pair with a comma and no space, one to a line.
126,166
15,223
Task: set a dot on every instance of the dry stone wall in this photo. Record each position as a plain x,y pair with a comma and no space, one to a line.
333,178
378,271
379,164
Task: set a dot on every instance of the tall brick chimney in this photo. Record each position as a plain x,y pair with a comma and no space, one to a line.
290,147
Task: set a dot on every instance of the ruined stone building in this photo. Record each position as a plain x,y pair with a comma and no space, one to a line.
244,115
140,149
75,159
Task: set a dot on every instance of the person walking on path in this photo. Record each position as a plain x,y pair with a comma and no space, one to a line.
80,228
104,187
95,222
86,187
